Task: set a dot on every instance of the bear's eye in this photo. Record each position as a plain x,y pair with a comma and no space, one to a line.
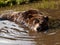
36,21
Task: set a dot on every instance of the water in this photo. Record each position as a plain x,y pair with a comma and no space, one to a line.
13,34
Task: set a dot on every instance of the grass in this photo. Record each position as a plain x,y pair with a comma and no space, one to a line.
36,5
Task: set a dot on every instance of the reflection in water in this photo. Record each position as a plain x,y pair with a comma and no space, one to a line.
12,34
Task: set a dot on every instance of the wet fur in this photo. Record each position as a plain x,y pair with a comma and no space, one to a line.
24,17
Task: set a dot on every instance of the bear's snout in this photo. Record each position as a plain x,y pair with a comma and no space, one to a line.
39,29
42,25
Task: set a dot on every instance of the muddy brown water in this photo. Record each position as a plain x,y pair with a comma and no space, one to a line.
14,34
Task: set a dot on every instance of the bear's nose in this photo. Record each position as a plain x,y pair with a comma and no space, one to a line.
39,29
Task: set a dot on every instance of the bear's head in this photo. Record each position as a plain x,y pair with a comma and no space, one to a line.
36,20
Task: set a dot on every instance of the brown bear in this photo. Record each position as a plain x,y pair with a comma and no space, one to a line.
33,19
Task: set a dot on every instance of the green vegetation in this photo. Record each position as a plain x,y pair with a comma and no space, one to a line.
13,2
33,3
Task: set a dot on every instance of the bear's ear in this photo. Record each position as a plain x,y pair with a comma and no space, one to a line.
46,18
